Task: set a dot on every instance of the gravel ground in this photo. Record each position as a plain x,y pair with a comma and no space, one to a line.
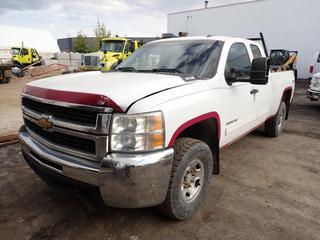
268,189
10,111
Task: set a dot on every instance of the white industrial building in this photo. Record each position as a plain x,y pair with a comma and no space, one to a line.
40,39
286,24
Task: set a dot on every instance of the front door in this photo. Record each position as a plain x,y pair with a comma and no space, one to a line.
24,56
239,101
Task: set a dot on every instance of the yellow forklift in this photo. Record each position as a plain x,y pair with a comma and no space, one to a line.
284,60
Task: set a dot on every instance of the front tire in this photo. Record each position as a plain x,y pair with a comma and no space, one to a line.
274,126
190,178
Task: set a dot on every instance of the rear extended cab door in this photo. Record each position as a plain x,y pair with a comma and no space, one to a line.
262,98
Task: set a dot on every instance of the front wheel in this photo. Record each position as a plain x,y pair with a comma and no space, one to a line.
274,126
190,178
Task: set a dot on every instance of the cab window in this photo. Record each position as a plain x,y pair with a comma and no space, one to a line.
255,51
24,51
131,48
238,59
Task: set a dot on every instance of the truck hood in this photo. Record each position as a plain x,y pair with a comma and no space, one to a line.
113,89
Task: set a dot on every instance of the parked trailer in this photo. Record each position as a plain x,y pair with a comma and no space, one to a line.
6,65
5,73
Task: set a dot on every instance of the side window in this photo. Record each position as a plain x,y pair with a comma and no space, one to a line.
318,59
24,51
238,59
131,46
255,51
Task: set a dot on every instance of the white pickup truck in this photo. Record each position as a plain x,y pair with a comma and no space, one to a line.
149,133
313,92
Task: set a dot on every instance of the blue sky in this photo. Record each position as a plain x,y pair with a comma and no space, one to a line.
124,17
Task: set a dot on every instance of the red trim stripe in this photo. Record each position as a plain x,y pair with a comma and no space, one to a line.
215,115
193,121
72,97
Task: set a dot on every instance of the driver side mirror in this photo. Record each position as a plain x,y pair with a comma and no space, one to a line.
259,73
126,49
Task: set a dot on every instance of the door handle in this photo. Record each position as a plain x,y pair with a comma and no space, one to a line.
254,91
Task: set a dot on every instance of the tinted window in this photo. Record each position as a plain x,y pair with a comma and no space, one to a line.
255,51
112,46
238,59
131,49
24,51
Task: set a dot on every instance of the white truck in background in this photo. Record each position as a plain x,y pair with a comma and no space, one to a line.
313,92
315,64
149,132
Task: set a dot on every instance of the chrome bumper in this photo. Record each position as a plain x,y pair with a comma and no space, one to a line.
124,180
313,95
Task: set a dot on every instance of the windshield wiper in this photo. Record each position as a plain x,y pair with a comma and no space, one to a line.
127,69
187,76
170,70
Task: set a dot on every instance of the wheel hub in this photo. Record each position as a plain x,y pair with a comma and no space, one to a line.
192,181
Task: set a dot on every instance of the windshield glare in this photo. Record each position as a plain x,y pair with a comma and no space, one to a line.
195,57
112,46
15,51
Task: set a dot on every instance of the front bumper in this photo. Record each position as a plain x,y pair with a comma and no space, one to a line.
313,95
89,68
124,180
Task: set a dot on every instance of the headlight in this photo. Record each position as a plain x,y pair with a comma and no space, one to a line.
137,132
315,82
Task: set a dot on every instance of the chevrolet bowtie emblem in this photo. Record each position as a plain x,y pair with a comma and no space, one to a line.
45,122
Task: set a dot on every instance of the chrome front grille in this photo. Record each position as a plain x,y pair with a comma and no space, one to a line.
92,61
76,115
78,130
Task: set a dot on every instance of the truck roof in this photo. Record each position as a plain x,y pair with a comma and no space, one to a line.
209,37
114,39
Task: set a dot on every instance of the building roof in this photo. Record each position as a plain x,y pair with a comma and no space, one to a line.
219,6
39,39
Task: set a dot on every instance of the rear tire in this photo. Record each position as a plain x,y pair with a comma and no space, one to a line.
114,66
7,80
2,79
274,126
190,178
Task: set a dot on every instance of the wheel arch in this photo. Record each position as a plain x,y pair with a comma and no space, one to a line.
286,98
205,128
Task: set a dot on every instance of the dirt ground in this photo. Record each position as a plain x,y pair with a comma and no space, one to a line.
10,107
268,189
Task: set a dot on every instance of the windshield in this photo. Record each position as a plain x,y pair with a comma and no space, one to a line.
112,46
195,57
15,51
